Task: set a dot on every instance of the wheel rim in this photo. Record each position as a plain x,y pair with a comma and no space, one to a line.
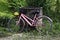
12,27
43,27
21,24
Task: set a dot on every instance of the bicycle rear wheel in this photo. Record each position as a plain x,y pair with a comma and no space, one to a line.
12,27
44,24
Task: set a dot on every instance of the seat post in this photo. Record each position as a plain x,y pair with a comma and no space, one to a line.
41,14
41,11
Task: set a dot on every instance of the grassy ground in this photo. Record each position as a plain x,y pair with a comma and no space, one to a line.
32,35
28,36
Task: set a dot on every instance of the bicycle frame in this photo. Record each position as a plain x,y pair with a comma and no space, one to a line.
27,19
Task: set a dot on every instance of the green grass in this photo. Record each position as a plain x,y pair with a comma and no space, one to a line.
55,30
4,32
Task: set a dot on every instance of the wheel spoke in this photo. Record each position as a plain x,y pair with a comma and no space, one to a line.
15,28
43,26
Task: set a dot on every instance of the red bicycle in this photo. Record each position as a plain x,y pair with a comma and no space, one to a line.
40,22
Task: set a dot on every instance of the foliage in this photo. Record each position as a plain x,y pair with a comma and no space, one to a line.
36,3
51,8
4,32
15,4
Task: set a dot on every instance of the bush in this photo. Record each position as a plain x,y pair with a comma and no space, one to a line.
16,4
4,17
56,28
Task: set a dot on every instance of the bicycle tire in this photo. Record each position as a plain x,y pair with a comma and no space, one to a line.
12,24
43,27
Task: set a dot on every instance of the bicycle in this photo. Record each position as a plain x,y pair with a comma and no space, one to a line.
41,22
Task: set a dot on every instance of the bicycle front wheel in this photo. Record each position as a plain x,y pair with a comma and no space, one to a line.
12,27
44,24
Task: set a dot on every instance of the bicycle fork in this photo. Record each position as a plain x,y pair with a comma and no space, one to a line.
17,22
